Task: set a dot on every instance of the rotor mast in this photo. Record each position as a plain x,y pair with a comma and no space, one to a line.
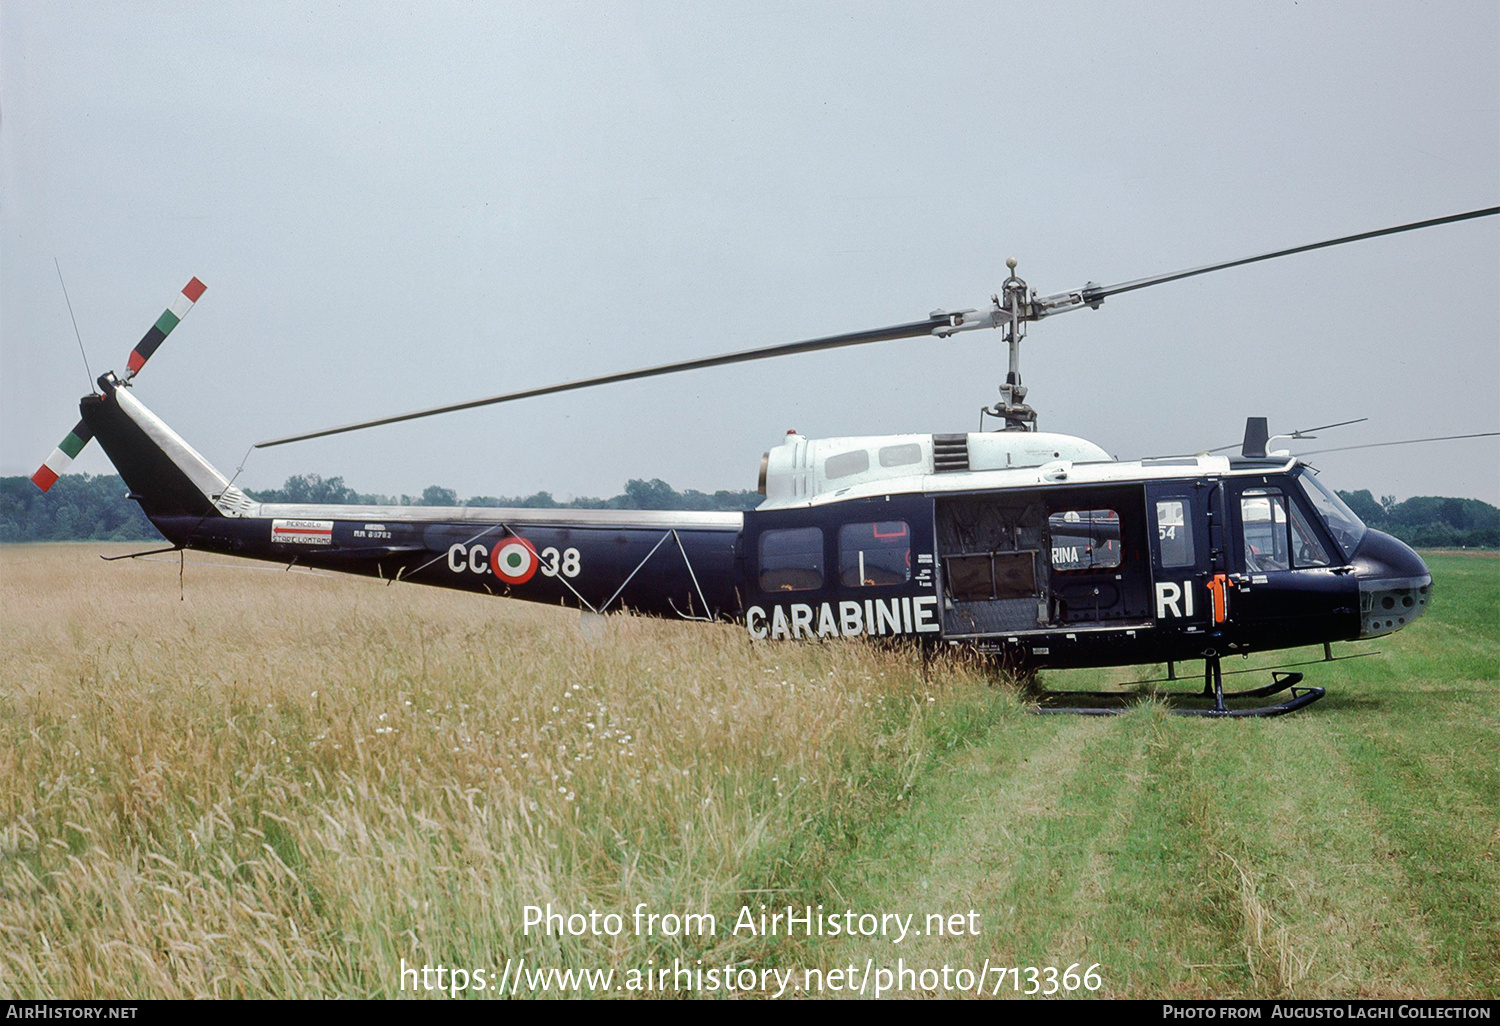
1013,307
1012,406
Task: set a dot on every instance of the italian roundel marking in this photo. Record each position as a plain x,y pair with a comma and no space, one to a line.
514,560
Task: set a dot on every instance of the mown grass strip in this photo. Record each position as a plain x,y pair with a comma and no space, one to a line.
1427,762
1350,850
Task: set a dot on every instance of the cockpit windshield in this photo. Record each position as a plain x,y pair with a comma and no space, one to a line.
1346,528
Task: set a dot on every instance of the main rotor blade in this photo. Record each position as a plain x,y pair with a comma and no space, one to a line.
1089,295
1098,293
1404,441
1308,432
856,338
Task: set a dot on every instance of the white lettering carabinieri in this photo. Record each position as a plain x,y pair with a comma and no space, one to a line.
846,619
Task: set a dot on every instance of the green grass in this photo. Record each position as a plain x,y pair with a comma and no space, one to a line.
274,786
1352,849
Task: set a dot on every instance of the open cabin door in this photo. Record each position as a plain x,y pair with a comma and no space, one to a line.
1043,560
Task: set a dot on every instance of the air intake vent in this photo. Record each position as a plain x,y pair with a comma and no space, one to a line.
949,453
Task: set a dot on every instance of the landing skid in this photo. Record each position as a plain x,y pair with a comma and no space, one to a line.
1213,691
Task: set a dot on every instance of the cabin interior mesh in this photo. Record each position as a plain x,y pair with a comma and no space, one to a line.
992,578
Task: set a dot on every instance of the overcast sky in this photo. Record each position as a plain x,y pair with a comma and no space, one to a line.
401,205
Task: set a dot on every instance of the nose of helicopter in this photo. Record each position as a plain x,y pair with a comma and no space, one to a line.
1394,584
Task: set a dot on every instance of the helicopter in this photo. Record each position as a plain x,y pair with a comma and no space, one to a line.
1033,548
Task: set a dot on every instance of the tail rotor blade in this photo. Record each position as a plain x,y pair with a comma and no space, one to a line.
168,320
67,450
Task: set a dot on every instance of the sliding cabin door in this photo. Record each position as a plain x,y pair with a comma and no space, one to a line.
1043,559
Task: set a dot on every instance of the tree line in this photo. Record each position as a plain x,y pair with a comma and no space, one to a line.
1429,521
81,507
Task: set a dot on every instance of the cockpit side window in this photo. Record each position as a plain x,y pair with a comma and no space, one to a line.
1276,534
1263,530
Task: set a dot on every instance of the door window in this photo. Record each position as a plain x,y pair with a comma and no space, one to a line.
1174,532
1306,549
1276,534
1085,539
1263,529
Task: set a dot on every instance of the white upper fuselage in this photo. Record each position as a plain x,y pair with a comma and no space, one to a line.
813,471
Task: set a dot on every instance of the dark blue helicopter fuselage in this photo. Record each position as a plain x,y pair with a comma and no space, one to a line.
1048,576
1113,564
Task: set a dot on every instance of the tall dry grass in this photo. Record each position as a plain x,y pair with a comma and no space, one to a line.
283,786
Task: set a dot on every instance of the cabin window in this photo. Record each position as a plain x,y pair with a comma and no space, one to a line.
1085,539
846,463
900,455
1174,532
791,559
874,555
